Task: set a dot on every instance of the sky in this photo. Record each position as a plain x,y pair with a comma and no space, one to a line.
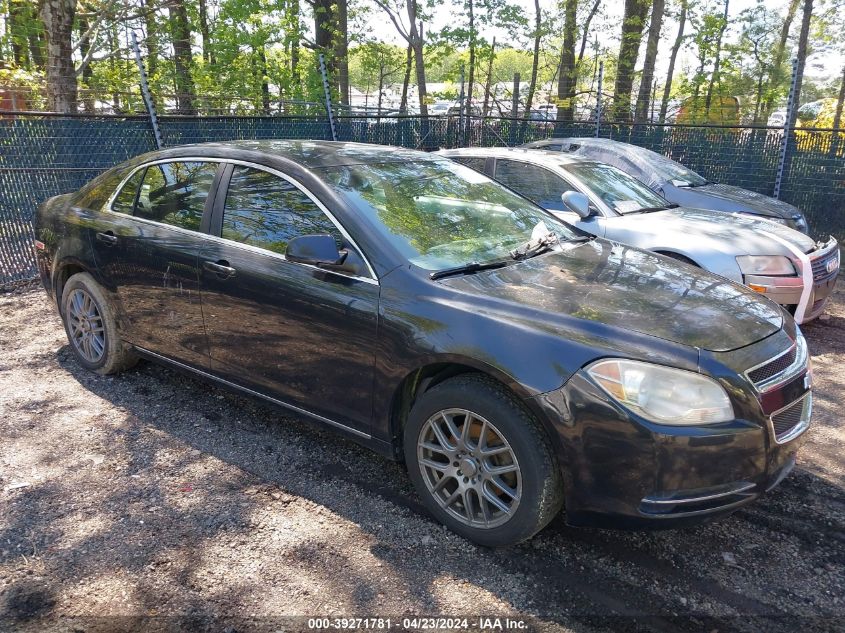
821,66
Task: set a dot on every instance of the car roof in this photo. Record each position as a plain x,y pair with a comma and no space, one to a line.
531,155
307,153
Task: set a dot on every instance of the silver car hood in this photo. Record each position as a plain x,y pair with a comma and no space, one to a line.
730,232
721,197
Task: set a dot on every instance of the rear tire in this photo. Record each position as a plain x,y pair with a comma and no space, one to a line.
481,463
91,327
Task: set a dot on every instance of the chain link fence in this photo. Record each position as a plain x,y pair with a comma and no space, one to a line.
44,155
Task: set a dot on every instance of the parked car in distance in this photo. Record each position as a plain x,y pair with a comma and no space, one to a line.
514,363
784,264
675,182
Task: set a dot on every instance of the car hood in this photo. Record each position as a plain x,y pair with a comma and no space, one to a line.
728,232
626,288
729,198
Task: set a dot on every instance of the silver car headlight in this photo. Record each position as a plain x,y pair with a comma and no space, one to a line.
765,265
662,394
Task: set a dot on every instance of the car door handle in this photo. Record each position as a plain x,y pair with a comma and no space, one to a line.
108,238
220,268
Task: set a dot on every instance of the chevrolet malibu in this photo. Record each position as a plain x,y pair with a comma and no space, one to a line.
517,365
784,264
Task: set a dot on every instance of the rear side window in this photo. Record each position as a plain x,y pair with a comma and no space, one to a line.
266,211
96,193
476,163
175,193
535,183
124,201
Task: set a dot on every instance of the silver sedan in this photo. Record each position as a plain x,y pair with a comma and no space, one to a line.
782,263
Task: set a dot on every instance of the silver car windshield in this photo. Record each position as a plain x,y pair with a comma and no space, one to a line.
619,191
440,214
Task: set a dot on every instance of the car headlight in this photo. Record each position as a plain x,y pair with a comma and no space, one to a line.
663,394
800,221
765,265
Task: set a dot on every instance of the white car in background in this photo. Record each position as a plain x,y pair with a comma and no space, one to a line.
783,264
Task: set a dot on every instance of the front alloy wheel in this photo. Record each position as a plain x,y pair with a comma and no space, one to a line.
469,468
481,462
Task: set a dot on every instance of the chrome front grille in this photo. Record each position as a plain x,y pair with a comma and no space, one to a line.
791,421
774,367
820,271
780,369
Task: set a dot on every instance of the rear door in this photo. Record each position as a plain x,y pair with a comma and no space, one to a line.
303,335
147,255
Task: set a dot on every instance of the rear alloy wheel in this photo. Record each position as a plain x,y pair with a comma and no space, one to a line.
91,327
481,462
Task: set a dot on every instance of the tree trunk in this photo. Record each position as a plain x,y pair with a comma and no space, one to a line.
207,53
182,60
415,37
87,71
152,38
586,32
265,87
292,33
488,83
803,39
35,37
341,45
535,60
568,69
679,39
714,77
471,4
837,117
58,16
324,29
403,102
643,97
777,73
633,23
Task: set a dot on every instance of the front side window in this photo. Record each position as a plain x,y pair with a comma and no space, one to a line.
438,213
267,211
175,193
124,201
535,183
619,191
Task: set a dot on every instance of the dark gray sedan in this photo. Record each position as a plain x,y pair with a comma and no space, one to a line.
676,183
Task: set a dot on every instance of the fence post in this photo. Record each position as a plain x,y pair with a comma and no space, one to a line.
791,108
328,95
461,98
514,109
598,98
145,91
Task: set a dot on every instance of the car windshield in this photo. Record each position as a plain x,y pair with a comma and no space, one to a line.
673,172
441,214
619,191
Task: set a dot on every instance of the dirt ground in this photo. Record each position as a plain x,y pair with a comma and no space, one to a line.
151,500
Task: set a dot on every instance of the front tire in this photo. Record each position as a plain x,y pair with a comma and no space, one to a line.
481,463
91,327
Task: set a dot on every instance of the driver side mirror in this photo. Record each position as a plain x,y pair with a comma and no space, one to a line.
316,250
577,203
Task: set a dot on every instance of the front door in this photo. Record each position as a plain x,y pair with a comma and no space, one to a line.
298,333
147,256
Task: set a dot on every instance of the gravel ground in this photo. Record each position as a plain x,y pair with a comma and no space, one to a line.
153,500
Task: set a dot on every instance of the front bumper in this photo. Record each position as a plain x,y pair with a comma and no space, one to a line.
623,471
789,291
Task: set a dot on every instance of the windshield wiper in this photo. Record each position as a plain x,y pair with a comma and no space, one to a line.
653,209
467,268
535,246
